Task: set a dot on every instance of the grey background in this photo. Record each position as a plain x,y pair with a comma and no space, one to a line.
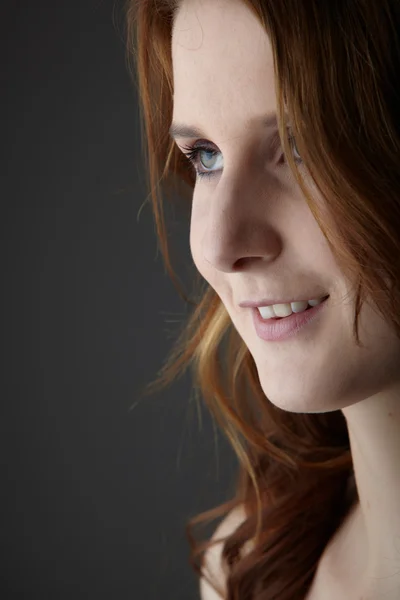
94,495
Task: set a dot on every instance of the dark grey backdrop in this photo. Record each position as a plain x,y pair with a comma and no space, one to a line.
94,496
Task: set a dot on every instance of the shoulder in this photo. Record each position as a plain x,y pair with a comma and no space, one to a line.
212,560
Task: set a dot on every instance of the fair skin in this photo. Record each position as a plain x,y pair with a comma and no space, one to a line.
252,235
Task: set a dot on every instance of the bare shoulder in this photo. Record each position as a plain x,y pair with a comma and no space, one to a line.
212,560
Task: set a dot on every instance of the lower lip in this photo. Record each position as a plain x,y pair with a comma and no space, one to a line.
273,330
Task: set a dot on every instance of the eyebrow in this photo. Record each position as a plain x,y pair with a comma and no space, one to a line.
186,131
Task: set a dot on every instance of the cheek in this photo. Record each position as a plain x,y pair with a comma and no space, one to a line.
195,246
197,241
194,242
197,232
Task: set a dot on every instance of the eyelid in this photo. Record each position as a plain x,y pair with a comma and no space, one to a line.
192,151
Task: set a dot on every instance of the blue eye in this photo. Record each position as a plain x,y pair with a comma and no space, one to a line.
192,152
292,142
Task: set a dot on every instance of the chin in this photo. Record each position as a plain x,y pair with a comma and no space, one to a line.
300,402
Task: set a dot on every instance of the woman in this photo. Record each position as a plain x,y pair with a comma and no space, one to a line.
281,120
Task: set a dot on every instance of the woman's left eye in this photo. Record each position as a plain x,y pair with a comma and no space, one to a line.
292,142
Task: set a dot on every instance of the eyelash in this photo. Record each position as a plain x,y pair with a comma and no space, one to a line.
192,153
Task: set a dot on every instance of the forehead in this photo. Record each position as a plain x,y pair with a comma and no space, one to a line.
222,64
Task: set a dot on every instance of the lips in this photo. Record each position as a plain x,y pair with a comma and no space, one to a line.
283,328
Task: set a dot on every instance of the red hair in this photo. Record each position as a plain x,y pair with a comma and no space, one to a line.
341,59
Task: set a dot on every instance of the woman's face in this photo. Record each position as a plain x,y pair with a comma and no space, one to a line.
252,235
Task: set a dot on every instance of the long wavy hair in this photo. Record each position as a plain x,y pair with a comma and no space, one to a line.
337,69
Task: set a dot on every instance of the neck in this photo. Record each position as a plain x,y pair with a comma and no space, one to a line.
374,432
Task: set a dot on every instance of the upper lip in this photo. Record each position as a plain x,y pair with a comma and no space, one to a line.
271,301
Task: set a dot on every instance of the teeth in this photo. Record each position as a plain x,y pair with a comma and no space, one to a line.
284,310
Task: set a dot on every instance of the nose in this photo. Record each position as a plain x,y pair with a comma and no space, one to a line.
237,231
